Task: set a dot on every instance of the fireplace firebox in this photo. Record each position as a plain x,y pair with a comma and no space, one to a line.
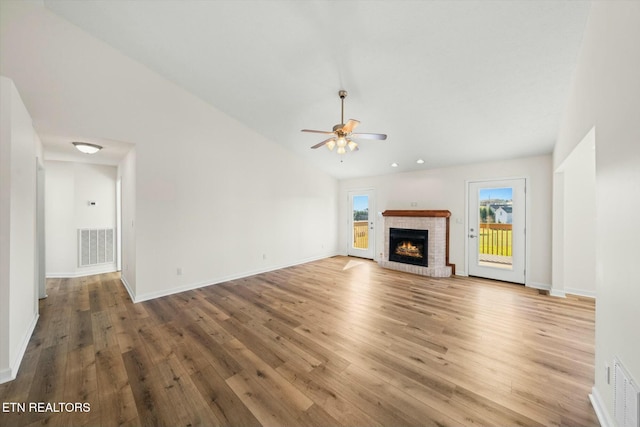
408,246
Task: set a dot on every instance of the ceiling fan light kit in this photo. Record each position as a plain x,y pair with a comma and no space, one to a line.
343,133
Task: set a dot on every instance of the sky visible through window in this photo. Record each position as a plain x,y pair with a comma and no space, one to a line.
360,203
496,193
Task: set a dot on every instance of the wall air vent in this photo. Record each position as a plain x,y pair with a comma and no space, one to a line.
626,397
95,246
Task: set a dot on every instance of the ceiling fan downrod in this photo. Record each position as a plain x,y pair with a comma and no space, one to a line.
342,94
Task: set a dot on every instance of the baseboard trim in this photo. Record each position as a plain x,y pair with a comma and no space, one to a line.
538,285
560,294
128,288
191,286
72,275
557,293
579,292
10,374
600,409
5,376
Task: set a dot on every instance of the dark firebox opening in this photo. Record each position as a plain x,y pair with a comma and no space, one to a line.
408,246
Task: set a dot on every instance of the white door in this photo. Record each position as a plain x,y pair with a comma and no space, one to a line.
361,224
496,234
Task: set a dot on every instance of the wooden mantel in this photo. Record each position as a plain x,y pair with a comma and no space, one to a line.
437,214
427,213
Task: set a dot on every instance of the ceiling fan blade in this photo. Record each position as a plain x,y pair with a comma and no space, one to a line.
378,136
320,144
350,126
325,132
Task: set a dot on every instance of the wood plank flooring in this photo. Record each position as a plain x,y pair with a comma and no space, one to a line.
338,341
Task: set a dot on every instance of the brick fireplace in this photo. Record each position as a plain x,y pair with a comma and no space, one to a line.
436,225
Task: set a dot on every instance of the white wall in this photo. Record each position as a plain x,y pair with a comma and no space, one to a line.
69,188
40,224
606,94
127,176
445,189
574,250
18,293
212,197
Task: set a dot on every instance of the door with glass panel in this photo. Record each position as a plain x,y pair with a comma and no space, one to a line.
361,224
496,234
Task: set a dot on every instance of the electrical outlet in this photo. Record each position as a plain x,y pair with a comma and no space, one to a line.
179,271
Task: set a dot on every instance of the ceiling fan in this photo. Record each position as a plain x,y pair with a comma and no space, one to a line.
342,134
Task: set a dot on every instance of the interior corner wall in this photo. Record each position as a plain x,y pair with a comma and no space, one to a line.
574,226
69,188
605,94
127,176
445,188
5,225
41,279
18,293
557,227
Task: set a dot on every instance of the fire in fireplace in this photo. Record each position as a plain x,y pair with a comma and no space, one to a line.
408,246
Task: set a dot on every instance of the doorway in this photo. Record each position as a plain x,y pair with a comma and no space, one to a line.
496,235
361,224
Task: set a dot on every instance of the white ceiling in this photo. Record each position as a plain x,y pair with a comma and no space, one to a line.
452,82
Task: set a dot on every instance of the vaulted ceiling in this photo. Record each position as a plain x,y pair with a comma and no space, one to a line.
451,82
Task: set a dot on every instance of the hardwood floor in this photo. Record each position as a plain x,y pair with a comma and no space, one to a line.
339,341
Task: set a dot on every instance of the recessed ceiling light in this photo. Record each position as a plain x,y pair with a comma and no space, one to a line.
394,165
87,148
419,161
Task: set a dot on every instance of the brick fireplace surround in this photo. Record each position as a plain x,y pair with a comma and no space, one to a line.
437,222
